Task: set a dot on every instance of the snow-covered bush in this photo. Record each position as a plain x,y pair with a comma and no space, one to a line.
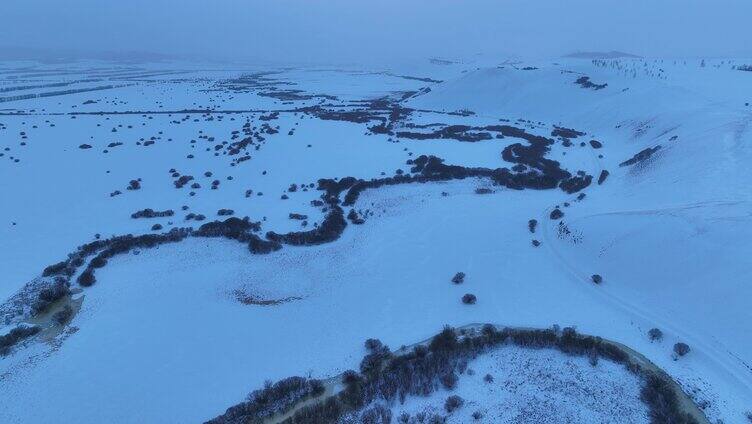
681,349
453,403
51,294
655,334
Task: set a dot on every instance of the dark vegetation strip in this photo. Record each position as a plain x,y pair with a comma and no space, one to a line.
151,213
532,171
50,85
16,336
585,82
641,156
427,367
60,93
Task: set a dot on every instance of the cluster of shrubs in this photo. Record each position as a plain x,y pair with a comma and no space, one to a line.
15,336
273,399
195,217
331,229
431,168
454,132
585,82
241,230
532,224
233,228
641,156
134,185
576,183
469,299
123,244
182,181
59,288
151,213
387,377
60,268
565,132
354,217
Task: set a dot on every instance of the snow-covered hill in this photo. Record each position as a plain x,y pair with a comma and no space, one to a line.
179,331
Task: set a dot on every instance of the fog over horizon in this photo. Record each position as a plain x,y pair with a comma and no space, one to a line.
340,31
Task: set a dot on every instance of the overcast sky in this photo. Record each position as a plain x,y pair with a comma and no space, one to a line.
380,30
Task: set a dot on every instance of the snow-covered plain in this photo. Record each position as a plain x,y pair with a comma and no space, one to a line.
161,336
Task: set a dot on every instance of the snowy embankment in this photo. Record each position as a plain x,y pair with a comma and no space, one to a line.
550,376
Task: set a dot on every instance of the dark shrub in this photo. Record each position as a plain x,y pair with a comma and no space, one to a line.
51,294
15,336
597,279
469,299
655,334
532,224
449,380
156,227
664,406
641,156
377,414
477,415
87,279
488,378
446,341
225,212
355,218
151,213
373,361
330,229
258,246
556,214
681,349
98,262
453,403
183,180
536,243
55,269
458,278
272,399
602,177
374,345
593,357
